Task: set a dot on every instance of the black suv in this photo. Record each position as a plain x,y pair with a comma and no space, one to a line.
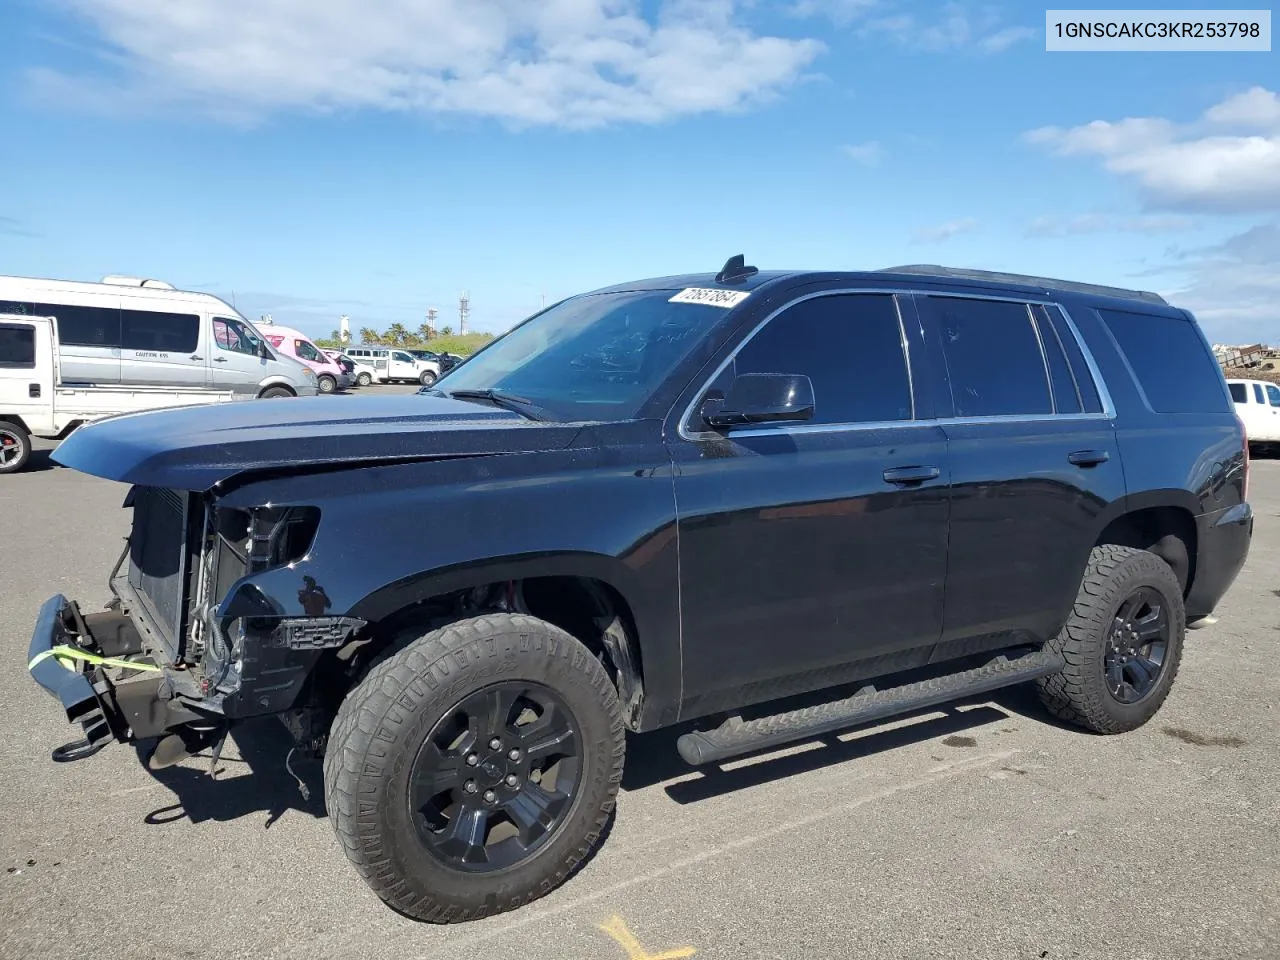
762,505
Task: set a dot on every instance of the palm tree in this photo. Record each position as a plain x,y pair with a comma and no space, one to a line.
397,334
369,335
425,332
446,331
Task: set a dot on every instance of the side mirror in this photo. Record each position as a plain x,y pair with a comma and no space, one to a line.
761,398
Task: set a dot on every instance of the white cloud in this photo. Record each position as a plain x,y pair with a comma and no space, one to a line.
568,63
1233,287
1257,107
945,231
1191,167
955,26
869,153
839,12
1085,223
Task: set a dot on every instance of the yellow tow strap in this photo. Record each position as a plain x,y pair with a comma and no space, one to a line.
66,655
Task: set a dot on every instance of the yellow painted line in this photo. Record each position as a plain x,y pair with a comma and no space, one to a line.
616,927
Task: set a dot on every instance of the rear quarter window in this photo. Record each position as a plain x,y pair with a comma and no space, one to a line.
1170,361
1238,393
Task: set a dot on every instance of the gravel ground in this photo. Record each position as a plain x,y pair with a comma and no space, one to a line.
984,831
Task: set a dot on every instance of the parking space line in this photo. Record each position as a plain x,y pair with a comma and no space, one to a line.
616,928
533,915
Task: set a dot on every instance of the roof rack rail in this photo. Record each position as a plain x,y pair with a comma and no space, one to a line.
991,276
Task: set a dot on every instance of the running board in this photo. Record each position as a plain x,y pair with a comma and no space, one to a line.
737,736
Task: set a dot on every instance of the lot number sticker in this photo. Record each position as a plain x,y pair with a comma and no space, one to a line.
712,298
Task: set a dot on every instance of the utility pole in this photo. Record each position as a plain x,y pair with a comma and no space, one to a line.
431,321
464,311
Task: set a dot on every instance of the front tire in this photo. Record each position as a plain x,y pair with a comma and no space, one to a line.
326,384
274,393
444,825
1122,643
427,378
15,446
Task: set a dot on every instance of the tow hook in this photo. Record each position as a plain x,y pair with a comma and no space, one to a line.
76,750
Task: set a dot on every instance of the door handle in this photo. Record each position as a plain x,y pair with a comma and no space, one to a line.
215,359
1088,458
33,390
196,356
911,474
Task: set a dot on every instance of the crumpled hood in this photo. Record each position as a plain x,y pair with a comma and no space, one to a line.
192,448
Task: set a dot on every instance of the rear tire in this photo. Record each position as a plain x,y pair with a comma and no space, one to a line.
272,393
364,380
400,758
326,384
1122,643
15,446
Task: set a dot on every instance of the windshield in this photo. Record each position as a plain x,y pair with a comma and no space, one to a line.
596,356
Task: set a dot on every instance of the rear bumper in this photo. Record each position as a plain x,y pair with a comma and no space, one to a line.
1224,539
107,704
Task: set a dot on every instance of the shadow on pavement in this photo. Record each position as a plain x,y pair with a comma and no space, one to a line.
652,758
257,782
41,460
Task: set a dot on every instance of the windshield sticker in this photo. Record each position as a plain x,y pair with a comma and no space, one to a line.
712,298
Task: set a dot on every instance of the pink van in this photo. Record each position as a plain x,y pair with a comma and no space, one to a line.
296,344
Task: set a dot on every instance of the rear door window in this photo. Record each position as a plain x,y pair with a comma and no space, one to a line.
993,355
1238,393
1257,393
1090,399
153,331
17,346
1170,361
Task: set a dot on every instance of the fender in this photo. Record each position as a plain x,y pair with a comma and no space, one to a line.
430,529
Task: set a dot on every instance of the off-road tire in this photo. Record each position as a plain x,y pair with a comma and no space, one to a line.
384,720
19,440
364,379
326,384
1079,694
273,393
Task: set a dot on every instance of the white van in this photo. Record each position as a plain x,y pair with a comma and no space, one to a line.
134,331
1258,406
35,402
393,364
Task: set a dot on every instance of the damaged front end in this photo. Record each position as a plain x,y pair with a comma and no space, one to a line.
189,645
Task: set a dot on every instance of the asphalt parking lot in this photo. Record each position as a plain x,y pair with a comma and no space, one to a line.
985,831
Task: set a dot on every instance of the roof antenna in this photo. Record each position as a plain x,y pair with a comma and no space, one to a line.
735,268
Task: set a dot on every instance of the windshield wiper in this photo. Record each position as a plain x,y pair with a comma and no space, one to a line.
508,401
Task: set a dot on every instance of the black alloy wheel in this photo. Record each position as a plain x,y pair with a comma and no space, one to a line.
496,777
1135,653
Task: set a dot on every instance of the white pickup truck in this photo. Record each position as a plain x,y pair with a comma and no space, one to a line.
35,402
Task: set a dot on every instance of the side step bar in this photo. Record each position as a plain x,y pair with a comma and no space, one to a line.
737,736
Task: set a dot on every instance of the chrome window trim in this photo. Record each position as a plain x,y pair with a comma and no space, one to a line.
685,431
1044,357
1066,358
1099,382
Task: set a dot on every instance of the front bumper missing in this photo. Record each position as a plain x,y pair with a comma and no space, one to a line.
108,703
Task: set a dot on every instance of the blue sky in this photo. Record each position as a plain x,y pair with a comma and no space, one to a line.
377,157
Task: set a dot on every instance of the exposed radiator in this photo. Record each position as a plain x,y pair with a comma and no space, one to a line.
158,557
